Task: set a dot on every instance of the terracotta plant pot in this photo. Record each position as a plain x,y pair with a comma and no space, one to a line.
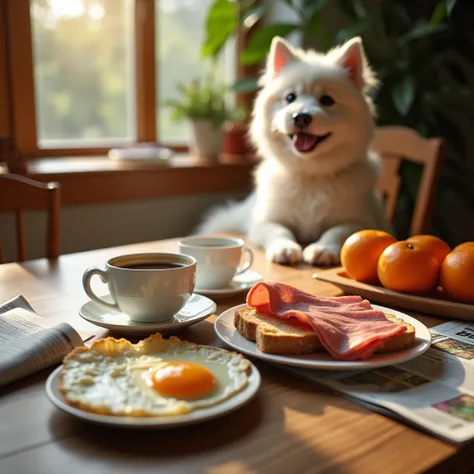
235,141
206,139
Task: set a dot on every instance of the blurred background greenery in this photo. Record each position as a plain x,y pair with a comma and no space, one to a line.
423,54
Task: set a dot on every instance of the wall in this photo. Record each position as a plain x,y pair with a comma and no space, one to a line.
107,225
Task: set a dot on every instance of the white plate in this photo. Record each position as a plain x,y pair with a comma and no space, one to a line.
197,416
196,309
226,331
240,283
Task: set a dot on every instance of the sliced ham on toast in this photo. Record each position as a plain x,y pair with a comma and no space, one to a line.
274,335
285,320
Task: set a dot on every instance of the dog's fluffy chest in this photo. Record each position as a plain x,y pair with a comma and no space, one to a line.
310,205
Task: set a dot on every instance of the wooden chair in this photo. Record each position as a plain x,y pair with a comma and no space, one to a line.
18,194
396,144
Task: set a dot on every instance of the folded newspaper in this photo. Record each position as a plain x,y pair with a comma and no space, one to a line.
434,392
28,343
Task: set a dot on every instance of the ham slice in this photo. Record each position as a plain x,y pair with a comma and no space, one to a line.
347,326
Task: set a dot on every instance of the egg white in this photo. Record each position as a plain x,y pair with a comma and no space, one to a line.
110,376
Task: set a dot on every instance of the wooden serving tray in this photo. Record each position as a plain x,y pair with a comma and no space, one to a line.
435,304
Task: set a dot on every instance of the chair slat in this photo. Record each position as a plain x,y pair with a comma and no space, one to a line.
18,194
396,144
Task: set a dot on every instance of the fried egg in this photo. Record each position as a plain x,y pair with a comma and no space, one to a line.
155,377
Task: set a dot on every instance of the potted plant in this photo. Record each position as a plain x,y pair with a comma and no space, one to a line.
236,143
204,104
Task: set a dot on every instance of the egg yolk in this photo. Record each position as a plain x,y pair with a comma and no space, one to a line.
183,380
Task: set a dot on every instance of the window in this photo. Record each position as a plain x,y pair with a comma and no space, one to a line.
89,74
83,71
179,35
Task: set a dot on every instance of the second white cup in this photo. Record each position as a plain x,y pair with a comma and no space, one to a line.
217,259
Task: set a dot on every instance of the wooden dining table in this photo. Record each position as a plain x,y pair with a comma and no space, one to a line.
290,426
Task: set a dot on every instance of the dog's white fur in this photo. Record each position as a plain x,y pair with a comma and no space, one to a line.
306,204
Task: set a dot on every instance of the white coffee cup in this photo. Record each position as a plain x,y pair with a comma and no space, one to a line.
217,259
148,287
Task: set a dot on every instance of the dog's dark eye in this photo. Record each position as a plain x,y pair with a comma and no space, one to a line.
291,97
326,100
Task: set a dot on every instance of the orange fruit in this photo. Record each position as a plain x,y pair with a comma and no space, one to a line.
408,267
361,251
457,274
463,246
439,247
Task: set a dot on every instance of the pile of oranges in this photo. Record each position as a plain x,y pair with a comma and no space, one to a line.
420,265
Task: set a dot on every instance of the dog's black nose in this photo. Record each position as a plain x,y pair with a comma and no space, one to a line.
301,120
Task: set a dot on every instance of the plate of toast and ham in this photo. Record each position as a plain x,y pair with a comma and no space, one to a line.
284,325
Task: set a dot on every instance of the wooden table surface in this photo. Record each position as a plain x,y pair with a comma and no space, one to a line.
289,427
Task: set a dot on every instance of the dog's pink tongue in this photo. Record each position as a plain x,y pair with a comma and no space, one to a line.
304,141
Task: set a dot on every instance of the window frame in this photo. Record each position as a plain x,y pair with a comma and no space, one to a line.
18,115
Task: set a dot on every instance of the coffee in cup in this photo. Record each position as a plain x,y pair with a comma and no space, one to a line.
148,287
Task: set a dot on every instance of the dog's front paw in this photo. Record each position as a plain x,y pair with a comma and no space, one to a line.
320,254
285,252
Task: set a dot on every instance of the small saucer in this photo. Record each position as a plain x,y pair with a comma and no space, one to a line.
197,308
240,283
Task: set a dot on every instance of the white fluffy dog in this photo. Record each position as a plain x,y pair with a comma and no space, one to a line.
312,125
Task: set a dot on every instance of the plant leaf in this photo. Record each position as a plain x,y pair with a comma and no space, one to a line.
246,84
221,24
352,8
252,16
421,29
403,94
261,41
312,6
450,4
356,28
347,7
247,4
439,14
314,34
314,23
358,8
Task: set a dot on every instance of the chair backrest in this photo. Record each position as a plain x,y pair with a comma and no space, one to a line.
18,194
398,144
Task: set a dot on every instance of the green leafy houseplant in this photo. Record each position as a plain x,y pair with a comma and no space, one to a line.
200,101
204,104
227,19
414,47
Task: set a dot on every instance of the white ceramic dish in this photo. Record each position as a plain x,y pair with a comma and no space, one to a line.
226,331
239,284
197,416
197,308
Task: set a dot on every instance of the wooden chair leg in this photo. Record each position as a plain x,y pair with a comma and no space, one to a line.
53,224
20,236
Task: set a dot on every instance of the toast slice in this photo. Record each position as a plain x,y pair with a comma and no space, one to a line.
290,336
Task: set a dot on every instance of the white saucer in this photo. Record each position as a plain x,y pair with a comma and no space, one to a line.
318,360
197,308
197,416
240,283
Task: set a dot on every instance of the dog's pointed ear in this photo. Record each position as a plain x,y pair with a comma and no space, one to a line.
281,54
351,57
